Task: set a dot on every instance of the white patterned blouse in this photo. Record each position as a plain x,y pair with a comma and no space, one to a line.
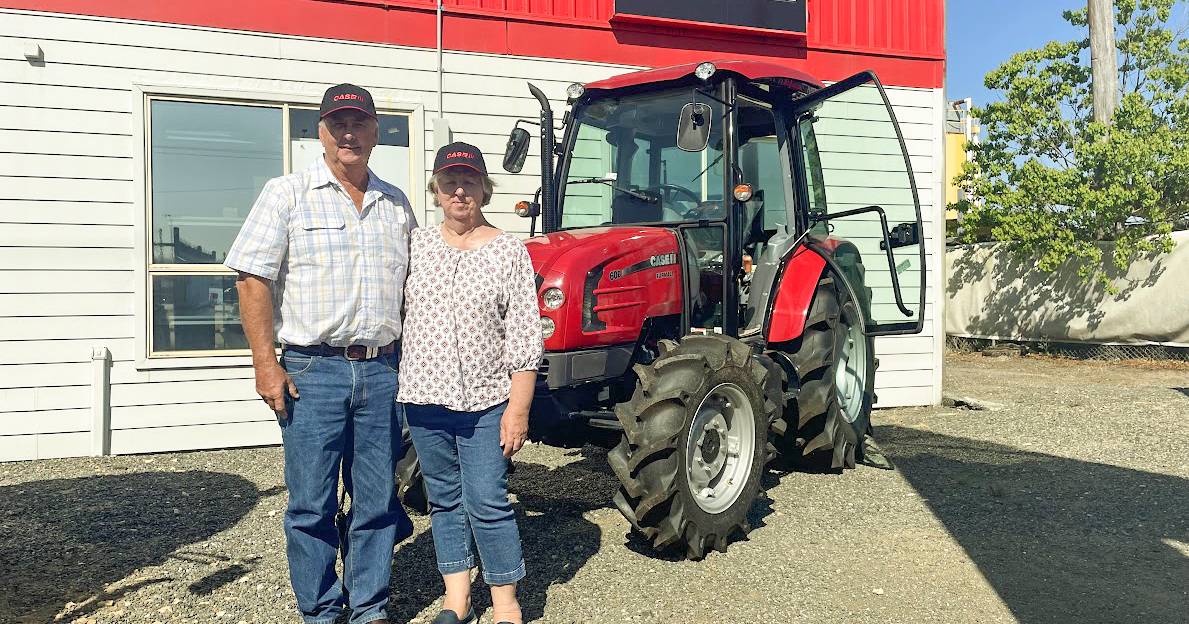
471,320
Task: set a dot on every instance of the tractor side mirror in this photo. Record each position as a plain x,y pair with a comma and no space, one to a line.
693,127
903,235
517,150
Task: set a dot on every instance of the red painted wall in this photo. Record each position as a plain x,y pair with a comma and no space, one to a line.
902,40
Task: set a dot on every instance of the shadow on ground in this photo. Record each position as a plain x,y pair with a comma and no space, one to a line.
1060,540
557,539
67,540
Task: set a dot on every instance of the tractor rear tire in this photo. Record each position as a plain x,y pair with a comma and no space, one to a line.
695,442
834,370
410,485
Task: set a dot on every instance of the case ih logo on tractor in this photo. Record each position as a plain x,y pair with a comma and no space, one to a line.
767,198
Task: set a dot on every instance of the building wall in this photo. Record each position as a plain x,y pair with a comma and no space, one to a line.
72,211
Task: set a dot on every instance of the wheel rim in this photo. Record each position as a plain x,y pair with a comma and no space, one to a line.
850,377
720,448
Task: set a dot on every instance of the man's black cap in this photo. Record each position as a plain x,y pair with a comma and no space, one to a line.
346,95
459,154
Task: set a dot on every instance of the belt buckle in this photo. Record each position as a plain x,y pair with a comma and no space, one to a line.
367,353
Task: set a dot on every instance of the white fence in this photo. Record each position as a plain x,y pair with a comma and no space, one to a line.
991,293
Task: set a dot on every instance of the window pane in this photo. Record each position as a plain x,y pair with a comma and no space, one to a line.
209,162
627,167
196,313
389,159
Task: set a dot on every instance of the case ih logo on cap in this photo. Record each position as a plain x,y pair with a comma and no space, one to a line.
346,96
461,154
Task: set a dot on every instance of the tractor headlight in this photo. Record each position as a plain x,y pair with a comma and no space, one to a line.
705,70
575,91
547,327
553,298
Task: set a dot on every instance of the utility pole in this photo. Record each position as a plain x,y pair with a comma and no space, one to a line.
1104,68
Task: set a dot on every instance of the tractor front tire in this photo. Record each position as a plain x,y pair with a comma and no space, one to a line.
834,369
695,443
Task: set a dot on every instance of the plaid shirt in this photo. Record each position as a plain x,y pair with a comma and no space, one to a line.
338,274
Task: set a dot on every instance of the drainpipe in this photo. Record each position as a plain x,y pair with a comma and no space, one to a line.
441,128
100,401
441,112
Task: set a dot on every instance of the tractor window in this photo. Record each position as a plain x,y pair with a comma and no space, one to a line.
761,165
814,180
625,166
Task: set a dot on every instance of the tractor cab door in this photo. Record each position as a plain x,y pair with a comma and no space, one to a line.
863,211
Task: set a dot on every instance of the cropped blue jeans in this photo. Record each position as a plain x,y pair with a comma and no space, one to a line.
466,478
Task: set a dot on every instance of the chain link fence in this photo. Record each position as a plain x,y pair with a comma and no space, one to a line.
1074,350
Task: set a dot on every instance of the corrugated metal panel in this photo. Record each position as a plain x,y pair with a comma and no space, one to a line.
897,27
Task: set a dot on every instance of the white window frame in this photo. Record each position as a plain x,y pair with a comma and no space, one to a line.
238,93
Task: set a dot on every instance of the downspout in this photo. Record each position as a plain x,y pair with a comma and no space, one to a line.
441,127
100,401
441,111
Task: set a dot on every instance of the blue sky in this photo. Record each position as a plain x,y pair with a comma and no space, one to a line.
982,35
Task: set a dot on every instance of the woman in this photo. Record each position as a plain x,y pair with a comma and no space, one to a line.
470,351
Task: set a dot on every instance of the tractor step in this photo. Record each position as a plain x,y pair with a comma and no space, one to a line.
600,419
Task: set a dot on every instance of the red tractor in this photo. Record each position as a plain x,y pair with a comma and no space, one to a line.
696,291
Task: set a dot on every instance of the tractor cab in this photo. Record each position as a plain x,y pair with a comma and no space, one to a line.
745,163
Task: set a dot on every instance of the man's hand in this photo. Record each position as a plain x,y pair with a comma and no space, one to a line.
273,384
513,430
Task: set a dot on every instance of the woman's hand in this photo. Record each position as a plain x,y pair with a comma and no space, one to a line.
513,429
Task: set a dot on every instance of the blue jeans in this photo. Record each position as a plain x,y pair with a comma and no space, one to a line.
347,417
466,478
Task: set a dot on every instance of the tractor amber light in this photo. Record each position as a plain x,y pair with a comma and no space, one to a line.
705,71
523,208
747,263
553,298
547,327
575,91
743,192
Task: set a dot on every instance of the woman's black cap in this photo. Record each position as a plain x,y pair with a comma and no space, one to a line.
461,155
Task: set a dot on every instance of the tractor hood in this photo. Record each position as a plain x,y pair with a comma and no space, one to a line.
612,279
558,252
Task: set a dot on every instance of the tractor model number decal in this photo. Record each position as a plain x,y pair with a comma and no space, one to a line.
664,274
658,260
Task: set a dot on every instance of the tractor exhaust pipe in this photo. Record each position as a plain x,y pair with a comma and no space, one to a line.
548,198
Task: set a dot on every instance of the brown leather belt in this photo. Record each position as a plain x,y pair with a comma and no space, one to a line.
352,353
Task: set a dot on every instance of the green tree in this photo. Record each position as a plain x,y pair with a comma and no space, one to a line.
1052,182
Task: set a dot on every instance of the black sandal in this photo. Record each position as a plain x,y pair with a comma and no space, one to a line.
448,616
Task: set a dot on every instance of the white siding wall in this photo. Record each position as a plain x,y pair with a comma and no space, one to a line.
72,210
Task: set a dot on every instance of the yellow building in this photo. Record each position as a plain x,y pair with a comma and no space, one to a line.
961,130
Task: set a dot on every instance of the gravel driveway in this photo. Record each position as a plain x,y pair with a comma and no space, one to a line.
1066,499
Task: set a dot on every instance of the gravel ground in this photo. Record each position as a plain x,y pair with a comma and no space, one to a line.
1063,500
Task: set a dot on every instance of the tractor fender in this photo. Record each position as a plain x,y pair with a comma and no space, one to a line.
796,282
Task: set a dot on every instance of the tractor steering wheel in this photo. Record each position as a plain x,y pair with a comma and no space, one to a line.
669,193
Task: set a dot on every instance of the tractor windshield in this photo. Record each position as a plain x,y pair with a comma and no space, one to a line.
626,167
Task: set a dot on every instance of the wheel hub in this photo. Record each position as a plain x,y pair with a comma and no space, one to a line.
720,448
711,442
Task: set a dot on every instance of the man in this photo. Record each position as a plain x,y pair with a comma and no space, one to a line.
323,256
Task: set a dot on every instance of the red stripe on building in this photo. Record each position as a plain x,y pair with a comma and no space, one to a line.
901,40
